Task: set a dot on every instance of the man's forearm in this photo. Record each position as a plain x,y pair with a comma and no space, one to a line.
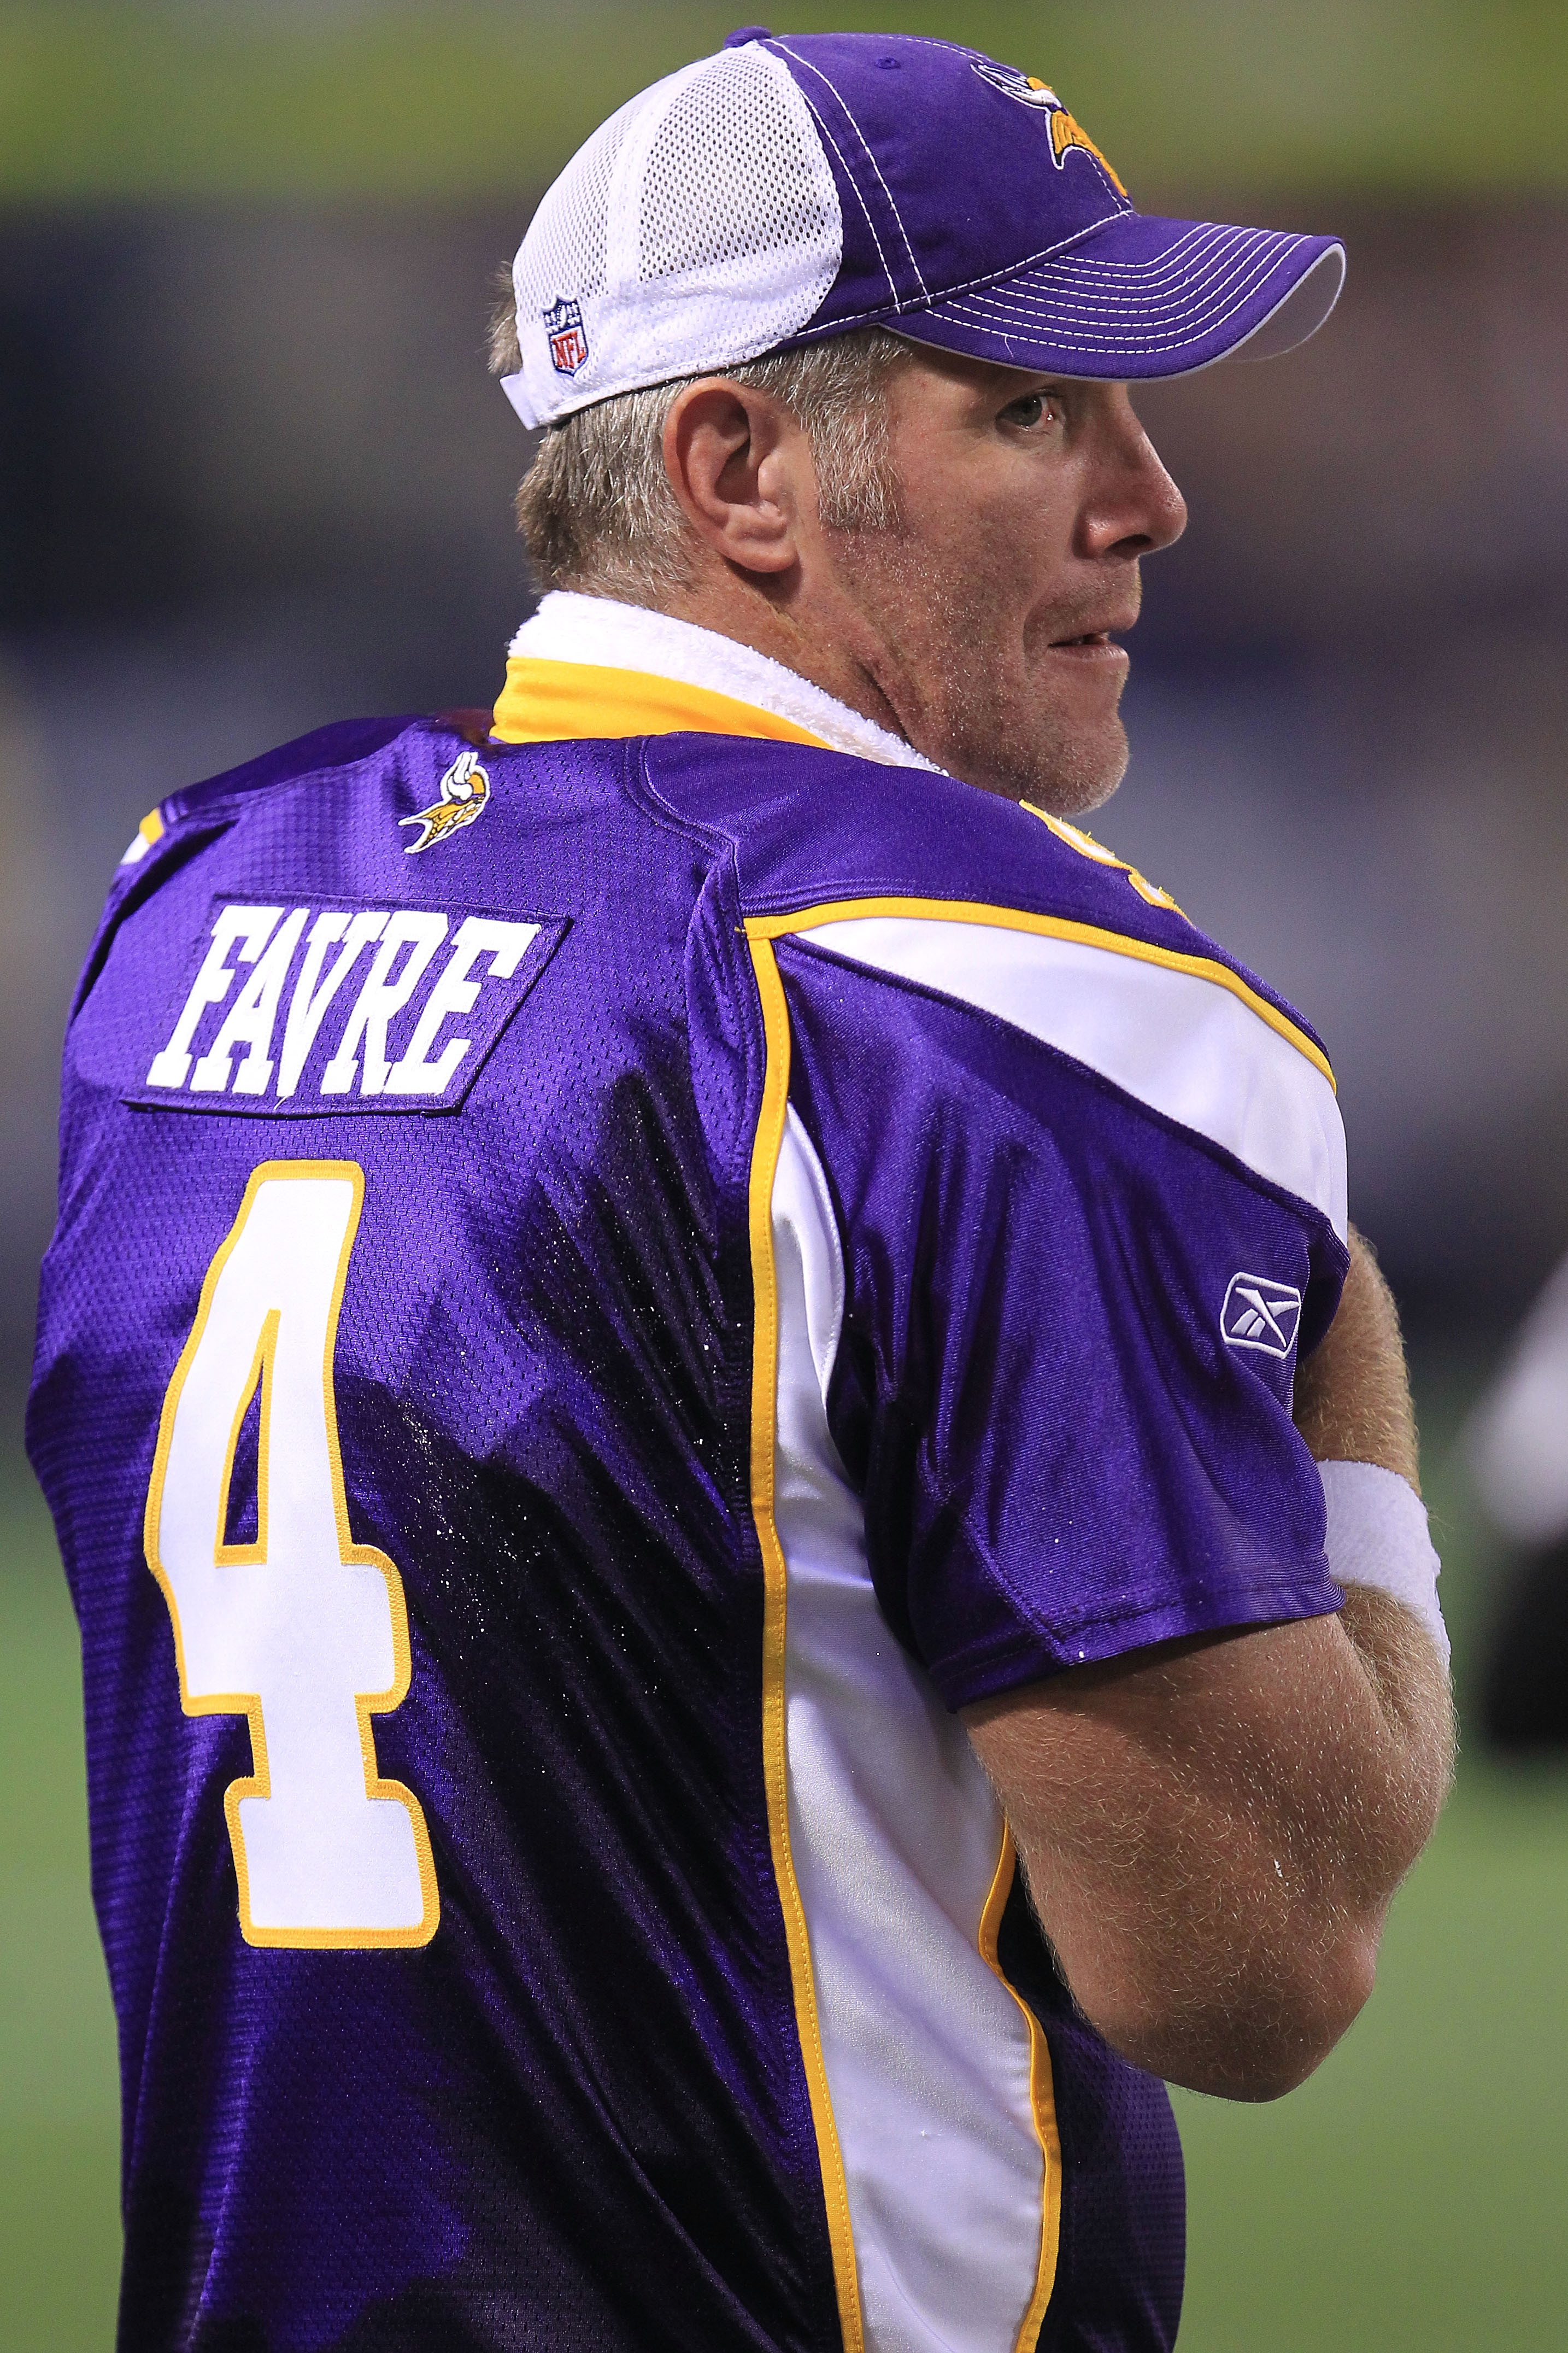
1353,1405
1213,1832
1410,1684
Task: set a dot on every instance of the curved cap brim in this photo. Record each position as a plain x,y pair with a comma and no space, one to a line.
1142,298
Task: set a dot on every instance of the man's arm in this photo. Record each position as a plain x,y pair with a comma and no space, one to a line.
1212,1829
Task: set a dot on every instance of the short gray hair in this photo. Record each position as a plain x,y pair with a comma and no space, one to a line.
596,509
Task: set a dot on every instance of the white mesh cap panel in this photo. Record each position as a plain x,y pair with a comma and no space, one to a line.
564,250
700,212
697,227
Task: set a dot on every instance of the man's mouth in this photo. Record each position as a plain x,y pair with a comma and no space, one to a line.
1088,642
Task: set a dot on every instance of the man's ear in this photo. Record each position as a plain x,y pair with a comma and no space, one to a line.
739,465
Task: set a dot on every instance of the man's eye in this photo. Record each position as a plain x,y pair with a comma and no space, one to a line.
1031,408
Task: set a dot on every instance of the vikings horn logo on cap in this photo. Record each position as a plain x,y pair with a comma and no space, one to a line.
1029,91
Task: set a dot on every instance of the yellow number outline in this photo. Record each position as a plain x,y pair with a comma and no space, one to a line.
351,1555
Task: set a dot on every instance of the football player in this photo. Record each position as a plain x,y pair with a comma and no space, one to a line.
744,1519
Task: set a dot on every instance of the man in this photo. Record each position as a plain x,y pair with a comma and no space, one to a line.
675,1319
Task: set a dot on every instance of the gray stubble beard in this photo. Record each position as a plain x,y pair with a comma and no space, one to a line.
1067,775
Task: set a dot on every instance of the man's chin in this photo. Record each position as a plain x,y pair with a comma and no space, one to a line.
1071,777
1070,802
1061,762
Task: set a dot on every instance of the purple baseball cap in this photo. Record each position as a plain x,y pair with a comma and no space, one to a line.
795,186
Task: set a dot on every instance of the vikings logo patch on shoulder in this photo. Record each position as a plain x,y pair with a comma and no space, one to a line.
568,336
1029,91
465,794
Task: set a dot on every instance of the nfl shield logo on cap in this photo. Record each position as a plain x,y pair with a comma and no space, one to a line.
568,342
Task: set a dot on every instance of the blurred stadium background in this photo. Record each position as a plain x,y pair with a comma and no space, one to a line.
252,476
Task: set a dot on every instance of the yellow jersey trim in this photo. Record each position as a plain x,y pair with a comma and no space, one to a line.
764,1412
151,827
1087,847
1056,927
557,701
1042,2104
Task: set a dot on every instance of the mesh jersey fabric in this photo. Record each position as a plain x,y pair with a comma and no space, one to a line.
582,2110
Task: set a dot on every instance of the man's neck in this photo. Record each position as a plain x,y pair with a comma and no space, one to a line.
603,632
817,653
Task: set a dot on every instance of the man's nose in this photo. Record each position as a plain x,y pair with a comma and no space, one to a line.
1167,509
1135,508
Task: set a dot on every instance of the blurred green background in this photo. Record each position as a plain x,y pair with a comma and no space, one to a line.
325,97
246,228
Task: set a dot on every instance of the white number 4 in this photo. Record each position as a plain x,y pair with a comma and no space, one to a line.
303,1631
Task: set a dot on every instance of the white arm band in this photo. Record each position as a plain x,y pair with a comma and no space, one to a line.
1377,1535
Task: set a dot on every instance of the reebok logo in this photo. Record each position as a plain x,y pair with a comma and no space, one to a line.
299,1010
1259,1314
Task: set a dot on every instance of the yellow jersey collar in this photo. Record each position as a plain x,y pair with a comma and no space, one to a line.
548,702
592,666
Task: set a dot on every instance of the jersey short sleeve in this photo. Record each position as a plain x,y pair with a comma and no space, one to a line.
1088,1199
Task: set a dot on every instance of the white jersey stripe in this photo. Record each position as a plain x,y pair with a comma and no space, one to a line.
1171,1038
895,1836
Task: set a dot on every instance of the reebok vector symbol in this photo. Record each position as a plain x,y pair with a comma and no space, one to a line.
1261,1314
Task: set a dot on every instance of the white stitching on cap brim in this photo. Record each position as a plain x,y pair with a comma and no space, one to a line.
1215,303
1010,314
1193,263
1096,333
1173,260
1205,293
1275,333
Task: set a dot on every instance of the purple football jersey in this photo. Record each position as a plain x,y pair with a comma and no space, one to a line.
602,1290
